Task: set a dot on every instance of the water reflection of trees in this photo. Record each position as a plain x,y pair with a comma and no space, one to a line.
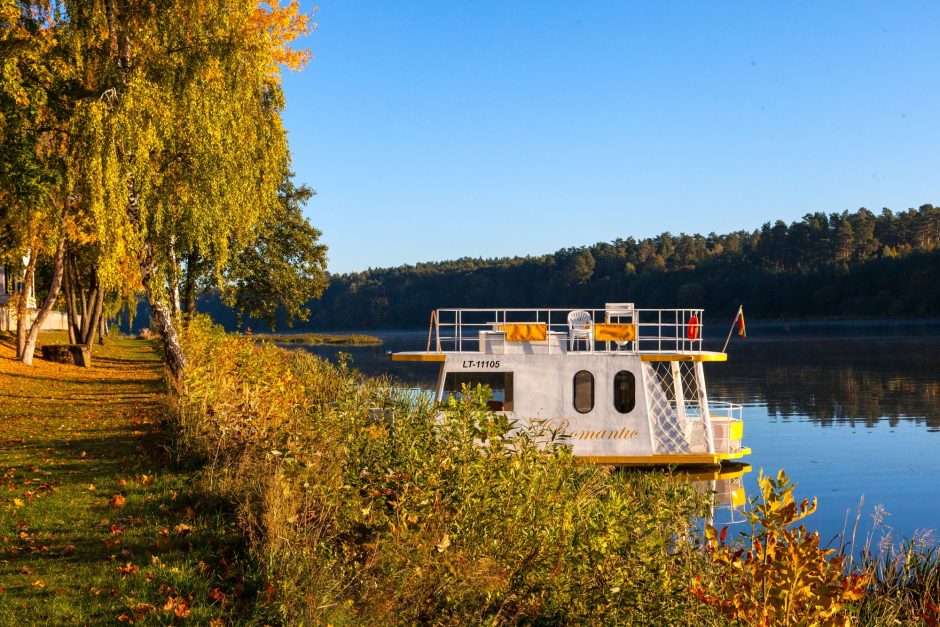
851,381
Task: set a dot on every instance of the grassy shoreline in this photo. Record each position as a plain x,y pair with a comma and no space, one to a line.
277,488
319,339
100,522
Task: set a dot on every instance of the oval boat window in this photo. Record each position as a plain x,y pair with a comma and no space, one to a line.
624,391
583,391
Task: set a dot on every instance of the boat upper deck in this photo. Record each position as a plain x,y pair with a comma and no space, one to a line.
618,328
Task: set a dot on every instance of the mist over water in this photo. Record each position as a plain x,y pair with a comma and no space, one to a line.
849,410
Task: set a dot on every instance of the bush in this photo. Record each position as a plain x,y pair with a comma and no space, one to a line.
777,574
368,508
365,506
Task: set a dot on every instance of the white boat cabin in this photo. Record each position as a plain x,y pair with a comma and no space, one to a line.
626,385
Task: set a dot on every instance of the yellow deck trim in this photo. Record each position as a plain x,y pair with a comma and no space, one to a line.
689,459
681,459
741,453
683,357
438,357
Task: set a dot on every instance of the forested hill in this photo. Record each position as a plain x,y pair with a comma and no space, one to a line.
838,265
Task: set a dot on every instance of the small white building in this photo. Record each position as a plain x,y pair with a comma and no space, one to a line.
12,283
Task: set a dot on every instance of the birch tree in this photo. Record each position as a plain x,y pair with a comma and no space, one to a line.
185,140
34,128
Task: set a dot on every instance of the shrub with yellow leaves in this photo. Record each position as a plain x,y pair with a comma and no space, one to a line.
778,574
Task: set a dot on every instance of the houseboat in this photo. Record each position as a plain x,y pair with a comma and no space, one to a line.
626,386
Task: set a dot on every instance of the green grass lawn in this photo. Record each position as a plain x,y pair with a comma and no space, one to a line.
99,522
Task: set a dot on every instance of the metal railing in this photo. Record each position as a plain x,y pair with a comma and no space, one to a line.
723,416
657,330
721,410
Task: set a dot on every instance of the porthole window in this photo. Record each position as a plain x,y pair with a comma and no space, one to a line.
583,391
624,391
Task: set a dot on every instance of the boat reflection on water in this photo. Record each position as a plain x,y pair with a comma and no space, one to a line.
726,484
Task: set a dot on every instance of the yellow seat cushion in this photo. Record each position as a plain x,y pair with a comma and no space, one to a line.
614,332
525,332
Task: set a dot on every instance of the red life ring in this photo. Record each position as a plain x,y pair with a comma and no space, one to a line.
693,328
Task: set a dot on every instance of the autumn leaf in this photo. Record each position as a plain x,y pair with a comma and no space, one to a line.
216,594
178,606
117,500
128,569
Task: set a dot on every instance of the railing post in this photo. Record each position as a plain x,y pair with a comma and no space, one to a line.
430,329
703,404
679,392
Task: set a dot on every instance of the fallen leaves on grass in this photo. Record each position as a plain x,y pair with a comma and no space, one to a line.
178,606
216,594
142,609
128,569
118,500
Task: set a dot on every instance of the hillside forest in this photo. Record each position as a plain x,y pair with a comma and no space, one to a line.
839,265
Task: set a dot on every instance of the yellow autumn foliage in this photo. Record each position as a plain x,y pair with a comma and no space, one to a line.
778,574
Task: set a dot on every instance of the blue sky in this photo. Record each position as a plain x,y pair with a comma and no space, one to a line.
442,129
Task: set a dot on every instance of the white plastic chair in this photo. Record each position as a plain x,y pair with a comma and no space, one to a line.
580,327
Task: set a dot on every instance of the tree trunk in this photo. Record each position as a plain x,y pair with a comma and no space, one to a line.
59,270
160,315
189,287
94,318
173,279
172,351
102,329
22,327
91,307
72,284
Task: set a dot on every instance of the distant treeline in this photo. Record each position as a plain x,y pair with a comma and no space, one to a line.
848,265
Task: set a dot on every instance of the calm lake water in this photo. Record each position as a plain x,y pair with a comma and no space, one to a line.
850,410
